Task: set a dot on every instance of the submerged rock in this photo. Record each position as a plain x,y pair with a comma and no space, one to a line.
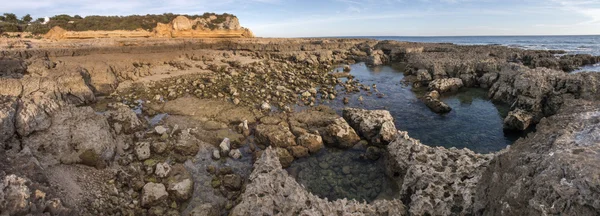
437,106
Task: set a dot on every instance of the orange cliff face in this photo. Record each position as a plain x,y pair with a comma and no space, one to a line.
180,27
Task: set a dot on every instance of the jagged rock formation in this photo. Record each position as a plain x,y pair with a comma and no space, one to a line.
551,172
272,191
180,27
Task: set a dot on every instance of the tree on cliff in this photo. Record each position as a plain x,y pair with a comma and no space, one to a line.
27,18
10,17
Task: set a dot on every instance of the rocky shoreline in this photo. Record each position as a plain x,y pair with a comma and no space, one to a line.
207,126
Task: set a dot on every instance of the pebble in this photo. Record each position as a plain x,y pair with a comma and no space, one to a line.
216,155
265,106
235,154
160,130
225,146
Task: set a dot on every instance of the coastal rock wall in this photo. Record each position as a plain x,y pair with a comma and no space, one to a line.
553,171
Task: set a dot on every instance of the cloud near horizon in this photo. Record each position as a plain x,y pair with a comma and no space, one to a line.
312,18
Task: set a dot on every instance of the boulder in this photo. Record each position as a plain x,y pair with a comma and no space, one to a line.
187,144
518,119
225,146
314,143
179,183
275,135
153,193
446,85
368,123
387,133
299,151
14,195
232,182
423,76
285,158
8,110
162,169
437,106
340,134
235,154
75,134
142,150
123,119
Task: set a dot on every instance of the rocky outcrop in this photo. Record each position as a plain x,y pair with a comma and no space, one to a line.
17,198
551,172
446,85
74,135
435,180
272,191
518,120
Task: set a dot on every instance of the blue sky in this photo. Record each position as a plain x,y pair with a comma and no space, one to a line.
305,18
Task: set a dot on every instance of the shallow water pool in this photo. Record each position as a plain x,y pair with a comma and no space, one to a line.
474,122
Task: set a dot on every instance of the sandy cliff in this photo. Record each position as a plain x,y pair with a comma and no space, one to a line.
180,27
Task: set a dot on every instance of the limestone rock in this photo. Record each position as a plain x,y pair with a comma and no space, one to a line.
387,133
121,114
160,130
235,154
187,144
299,151
14,195
225,146
8,110
549,169
76,134
437,106
314,143
162,169
438,181
368,123
518,119
423,75
446,85
142,150
179,183
232,182
153,193
285,158
340,134
271,189
275,135
216,155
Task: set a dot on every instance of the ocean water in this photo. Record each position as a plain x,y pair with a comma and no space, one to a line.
583,44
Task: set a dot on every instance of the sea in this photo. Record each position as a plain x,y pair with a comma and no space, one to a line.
576,44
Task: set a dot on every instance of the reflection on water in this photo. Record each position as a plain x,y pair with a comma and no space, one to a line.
475,122
337,174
